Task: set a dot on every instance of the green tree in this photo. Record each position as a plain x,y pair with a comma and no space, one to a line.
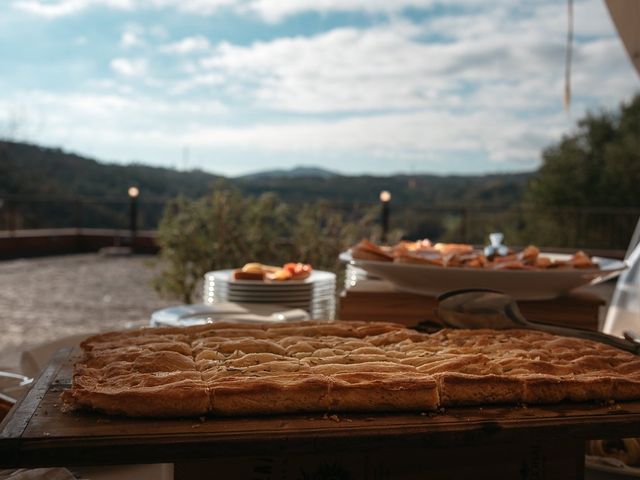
222,230
595,167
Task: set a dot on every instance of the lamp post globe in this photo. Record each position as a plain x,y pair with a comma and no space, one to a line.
385,198
133,193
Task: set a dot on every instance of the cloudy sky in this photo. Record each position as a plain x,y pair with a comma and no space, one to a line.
234,86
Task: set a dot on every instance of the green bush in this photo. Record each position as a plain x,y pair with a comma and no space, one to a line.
227,230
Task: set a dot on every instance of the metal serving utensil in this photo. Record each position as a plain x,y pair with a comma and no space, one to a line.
479,308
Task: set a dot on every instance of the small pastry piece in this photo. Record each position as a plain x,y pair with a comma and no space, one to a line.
299,271
280,275
402,247
529,255
511,265
578,260
474,261
452,260
251,271
366,250
418,246
506,259
453,248
581,260
418,259
543,262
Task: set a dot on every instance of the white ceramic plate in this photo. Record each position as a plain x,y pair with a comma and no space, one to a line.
199,314
521,284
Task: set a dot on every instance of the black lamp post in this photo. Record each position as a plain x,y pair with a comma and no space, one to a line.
385,198
133,212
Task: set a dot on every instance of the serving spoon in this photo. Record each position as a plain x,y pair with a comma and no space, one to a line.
480,308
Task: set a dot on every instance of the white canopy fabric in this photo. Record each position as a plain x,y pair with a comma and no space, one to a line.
626,17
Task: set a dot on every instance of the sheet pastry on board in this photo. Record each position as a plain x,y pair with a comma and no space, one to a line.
242,369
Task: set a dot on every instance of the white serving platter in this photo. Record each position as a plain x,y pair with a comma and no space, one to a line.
541,284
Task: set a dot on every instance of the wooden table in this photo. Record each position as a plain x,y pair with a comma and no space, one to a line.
544,442
577,309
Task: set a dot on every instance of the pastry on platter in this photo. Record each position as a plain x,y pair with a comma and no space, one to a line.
366,250
462,255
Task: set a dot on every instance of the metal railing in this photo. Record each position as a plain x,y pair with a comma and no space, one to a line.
596,228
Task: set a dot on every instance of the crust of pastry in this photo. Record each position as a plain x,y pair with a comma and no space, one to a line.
278,394
464,389
180,398
383,392
626,389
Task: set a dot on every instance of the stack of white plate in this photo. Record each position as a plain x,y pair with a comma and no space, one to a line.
353,275
315,294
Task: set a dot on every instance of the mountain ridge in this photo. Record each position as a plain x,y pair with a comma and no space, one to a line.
300,171
32,174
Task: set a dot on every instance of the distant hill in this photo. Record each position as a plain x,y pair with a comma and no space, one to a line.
296,172
51,178
33,170
424,190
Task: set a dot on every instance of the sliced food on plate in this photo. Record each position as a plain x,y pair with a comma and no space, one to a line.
261,272
423,252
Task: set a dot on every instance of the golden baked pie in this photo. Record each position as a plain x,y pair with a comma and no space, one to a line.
234,369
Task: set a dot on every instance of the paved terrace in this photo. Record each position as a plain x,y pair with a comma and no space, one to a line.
43,299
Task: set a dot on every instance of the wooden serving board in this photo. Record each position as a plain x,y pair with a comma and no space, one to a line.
577,309
37,433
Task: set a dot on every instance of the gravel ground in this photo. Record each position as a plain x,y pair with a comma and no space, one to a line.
43,299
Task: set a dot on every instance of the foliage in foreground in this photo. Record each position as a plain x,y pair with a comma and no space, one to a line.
227,230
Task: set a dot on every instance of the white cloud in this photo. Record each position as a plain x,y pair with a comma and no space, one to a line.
187,45
588,14
130,39
485,61
117,113
159,32
133,35
141,121
196,81
60,8
269,10
276,10
429,138
129,67
484,82
380,68
200,7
